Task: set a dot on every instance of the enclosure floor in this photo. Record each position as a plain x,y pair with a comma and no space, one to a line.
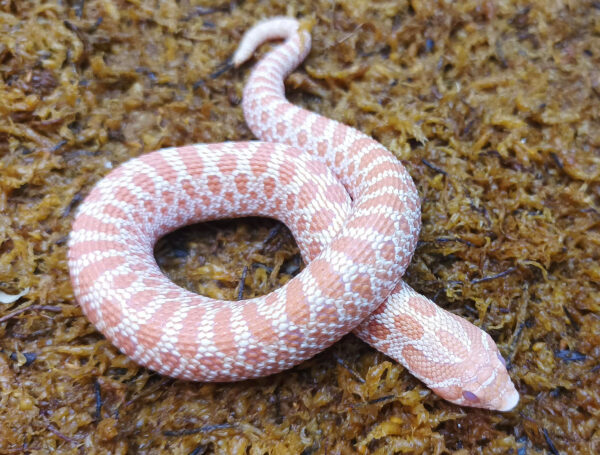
493,107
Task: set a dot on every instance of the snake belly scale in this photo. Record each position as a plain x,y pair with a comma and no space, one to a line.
354,212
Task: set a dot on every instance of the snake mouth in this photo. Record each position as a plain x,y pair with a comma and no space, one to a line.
510,400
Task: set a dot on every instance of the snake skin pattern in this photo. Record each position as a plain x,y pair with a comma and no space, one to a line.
353,210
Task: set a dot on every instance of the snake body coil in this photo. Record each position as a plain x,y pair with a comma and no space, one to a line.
353,210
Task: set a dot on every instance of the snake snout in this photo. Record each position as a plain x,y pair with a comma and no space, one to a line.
495,389
511,399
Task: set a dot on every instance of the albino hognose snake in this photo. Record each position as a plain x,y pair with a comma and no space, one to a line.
353,210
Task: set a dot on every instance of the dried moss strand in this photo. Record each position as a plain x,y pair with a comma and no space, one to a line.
56,309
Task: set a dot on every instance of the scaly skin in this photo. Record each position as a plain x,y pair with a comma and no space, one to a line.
353,210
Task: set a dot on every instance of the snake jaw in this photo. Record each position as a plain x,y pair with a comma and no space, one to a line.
479,379
491,387
498,393
490,383
511,399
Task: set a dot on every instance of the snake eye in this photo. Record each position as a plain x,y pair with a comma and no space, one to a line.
501,359
470,396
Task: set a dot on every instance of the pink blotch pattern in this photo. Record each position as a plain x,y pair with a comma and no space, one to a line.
353,210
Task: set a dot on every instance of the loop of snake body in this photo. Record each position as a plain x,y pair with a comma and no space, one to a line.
354,212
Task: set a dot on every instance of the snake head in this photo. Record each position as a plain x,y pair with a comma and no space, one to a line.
454,358
481,379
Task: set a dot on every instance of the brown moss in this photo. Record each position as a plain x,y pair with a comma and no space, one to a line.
494,107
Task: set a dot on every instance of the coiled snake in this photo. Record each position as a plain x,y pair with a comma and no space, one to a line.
349,203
